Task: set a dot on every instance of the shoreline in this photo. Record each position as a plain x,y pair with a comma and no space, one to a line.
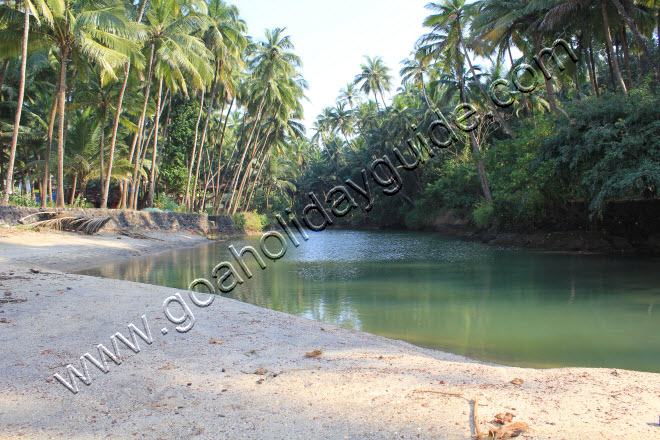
210,389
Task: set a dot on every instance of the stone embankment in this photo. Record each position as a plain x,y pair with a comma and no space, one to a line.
159,221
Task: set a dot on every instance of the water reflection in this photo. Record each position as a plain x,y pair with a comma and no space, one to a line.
501,305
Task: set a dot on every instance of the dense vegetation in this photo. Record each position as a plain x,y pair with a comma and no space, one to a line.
165,102
170,103
589,133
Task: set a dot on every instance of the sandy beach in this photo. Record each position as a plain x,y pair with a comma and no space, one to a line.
242,371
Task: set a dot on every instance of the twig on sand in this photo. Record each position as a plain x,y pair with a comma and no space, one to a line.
475,418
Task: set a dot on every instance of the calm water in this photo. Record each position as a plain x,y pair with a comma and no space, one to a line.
508,306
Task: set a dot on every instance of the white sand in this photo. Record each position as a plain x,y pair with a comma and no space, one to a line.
362,387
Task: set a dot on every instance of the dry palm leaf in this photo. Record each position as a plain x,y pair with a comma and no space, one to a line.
76,223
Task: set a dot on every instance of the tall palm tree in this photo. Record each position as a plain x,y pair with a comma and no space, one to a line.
95,31
640,41
177,55
273,63
374,78
350,95
446,39
225,39
136,58
39,8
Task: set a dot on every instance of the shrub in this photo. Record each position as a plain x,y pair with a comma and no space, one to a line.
251,221
239,220
483,215
166,203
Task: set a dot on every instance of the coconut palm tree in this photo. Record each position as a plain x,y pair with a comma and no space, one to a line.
274,64
98,32
446,40
374,78
177,56
225,39
39,9
350,94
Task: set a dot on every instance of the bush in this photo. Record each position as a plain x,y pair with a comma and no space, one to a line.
483,215
166,203
17,200
239,220
251,222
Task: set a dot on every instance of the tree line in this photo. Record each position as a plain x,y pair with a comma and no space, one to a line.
101,81
582,132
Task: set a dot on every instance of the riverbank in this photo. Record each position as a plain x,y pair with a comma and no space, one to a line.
241,372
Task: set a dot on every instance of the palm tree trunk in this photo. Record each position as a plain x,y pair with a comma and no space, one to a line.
49,144
152,178
134,144
481,88
589,71
610,49
60,128
638,37
188,198
102,152
73,190
593,69
123,186
214,88
247,145
228,167
383,98
376,99
9,178
626,57
255,153
256,180
245,183
268,196
113,139
549,87
481,169
143,117
222,141
139,159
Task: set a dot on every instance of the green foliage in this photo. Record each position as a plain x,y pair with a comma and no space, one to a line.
416,218
18,200
610,150
250,221
453,184
483,215
166,203
239,220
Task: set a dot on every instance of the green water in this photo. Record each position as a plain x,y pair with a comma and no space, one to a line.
507,306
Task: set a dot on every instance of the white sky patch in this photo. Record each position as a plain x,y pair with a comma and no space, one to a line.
332,38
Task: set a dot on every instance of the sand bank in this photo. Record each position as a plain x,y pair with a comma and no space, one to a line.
241,372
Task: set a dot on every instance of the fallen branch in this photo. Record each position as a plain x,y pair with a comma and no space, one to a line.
475,418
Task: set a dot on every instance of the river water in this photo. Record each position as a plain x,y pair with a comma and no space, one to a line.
502,305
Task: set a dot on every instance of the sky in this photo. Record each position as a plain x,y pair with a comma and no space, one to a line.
332,38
